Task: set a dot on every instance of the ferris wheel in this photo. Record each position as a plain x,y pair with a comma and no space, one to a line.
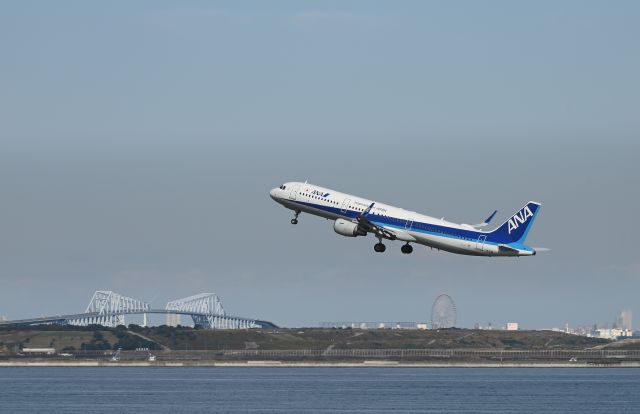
443,312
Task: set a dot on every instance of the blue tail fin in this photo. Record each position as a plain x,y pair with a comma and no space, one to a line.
515,229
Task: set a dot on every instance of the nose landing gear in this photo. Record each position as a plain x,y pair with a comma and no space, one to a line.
406,248
294,220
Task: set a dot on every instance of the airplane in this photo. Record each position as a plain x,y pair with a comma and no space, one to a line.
356,216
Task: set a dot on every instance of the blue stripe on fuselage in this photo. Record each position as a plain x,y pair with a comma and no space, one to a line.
417,226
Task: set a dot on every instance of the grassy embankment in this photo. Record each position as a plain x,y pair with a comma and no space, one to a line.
97,338
368,339
68,339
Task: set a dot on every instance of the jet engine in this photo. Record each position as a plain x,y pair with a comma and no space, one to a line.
348,228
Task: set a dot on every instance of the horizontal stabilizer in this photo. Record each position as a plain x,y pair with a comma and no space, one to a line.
508,248
517,250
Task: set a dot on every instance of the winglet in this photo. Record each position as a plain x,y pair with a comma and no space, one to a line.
488,220
365,213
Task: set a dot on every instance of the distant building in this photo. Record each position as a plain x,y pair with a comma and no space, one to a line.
511,326
613,333
582,330
173,319
3,318
624,320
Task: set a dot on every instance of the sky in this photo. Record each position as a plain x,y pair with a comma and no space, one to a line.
139,142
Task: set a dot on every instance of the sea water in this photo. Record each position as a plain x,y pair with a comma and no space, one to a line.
319,390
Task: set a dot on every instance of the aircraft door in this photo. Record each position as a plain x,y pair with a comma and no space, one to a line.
408,224
294,192
480,242
345,205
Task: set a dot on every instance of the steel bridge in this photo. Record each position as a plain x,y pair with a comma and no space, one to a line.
109,308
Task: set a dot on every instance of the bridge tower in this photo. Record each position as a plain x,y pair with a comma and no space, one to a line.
209,313
107,308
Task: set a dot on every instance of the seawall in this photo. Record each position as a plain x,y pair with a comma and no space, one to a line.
309,364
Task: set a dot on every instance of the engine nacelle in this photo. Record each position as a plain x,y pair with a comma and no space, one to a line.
348,228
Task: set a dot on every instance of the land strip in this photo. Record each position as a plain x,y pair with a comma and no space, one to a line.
183,346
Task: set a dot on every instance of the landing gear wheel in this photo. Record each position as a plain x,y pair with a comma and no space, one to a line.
406,248
379,247
294,220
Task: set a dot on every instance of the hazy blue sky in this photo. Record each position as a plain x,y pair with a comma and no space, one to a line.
139,140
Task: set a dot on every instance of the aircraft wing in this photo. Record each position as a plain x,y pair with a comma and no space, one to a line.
370,227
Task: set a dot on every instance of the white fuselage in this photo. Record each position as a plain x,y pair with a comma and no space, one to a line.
407,226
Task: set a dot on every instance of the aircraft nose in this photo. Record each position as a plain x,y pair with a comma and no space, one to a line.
272,193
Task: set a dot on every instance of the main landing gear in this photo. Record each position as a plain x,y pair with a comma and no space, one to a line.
379,247
406,248
294,220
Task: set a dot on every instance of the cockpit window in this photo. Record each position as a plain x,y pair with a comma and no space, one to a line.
284,187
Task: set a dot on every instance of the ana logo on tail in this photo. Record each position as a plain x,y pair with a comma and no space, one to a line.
519,218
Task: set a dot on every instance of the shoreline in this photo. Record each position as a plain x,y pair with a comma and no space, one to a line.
290,364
